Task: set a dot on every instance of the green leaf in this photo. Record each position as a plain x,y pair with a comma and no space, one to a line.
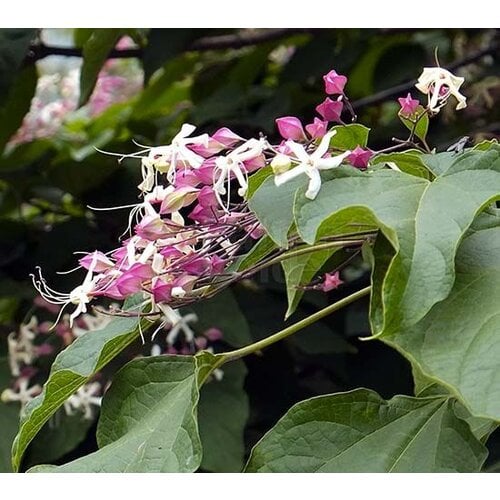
261,249
18,103
223,312
148,420
300,270
423,221
72,368
222,416
9,419
164,44
349,136
167,90
457,343
14,45
358,431
273,207
409,161
95,52
256,179
420,130
439,163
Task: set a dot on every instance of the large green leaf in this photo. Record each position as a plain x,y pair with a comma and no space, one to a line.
358,431
274,207
148,420
95,52
14,45
424,222
457,343
71,369
9,419
222,416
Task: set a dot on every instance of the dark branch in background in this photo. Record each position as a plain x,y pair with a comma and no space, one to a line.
403,88
234,41
249,37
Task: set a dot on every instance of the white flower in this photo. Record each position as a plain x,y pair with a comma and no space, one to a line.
83,400
177,323
233,164
21,348
439,84
79,296
310,164
23,394
167,158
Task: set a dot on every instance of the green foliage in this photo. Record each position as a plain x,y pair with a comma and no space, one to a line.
299,271
96,48
9,420
435,268
72,368
459,334
358,431
18,104
148,420
418,124
14,45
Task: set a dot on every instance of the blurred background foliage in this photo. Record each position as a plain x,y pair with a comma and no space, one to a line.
141,85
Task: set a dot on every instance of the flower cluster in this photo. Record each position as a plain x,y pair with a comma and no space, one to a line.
299,154
193,219
36,340
28,347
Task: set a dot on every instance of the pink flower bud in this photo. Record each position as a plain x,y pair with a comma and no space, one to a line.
317,129
218,264
213,334
181,197
101,262
161,290
131,280
408,105
255,163
226,137
290,127
205,173
207,198
185,178
170,252
151,228
359,157
334,83
198,266
332,281
330,110
200,343
44,350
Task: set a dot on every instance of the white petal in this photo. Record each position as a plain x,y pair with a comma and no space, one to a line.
186,129
323,145
314,184
332,162
298,150
289,175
